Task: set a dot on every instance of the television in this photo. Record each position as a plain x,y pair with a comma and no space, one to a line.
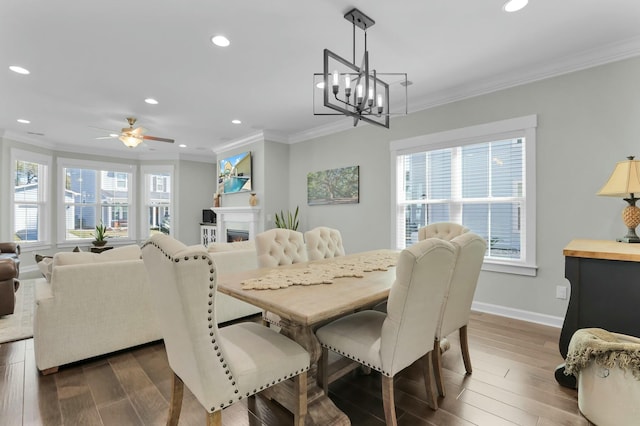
234,173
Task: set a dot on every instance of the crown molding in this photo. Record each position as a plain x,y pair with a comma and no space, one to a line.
324,130
603,55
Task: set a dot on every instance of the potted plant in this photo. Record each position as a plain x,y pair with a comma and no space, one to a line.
290,221
100,235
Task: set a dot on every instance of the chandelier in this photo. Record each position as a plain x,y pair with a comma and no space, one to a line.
358,91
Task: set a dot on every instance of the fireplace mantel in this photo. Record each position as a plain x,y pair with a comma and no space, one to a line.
247,215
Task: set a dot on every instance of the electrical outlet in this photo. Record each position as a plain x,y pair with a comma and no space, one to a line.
561,292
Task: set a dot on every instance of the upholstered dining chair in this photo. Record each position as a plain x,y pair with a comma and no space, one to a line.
323,243
442,230
457,308
277,247
390,342
220,366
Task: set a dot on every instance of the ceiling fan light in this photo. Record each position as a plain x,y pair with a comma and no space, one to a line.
130,141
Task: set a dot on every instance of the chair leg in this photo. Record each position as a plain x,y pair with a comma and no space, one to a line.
253,411
464,347
215,418
323,371
388,402
428,371
300,389
177,391
436,360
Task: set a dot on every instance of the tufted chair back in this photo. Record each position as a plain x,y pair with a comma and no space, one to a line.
443,230
323,243
277,247
219,365
457,307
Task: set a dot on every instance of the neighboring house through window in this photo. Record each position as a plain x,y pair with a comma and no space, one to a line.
96,193
30,181
482,177
158,200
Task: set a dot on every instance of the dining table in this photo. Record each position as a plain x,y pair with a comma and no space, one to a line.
307,295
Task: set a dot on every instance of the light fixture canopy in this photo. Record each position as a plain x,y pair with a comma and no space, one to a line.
624,183
358,91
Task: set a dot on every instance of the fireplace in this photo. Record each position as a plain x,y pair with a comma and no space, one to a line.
246,216
234,235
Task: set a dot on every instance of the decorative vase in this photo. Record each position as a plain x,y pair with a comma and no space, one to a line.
252,199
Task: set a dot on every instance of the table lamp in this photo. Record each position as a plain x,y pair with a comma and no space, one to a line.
624,182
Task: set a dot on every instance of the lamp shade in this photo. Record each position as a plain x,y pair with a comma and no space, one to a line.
130,141
624,180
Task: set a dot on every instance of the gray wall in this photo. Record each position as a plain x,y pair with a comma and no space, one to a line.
587,121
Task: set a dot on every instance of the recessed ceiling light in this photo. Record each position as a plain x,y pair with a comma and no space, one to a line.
23,121
19,70
236,121
151,101
514,5
182,145
221,41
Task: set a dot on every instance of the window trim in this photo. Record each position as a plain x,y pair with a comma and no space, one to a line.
144,170
98,166
44,221
488,132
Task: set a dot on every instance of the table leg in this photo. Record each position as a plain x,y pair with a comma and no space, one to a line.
321,411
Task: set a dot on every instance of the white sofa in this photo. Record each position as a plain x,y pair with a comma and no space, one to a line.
95,304
230,258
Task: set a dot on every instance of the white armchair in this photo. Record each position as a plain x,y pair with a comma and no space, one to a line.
220,366
390,342
323,243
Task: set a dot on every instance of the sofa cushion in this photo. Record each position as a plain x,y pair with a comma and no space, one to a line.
130,252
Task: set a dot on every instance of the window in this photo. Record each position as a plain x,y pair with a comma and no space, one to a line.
482,177
158,200
30,176
96,193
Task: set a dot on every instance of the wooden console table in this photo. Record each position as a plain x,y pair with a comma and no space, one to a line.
605,291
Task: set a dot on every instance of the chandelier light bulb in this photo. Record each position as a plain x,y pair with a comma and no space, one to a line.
370,97
347,81
359,90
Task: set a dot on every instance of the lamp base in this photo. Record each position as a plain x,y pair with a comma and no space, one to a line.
628,240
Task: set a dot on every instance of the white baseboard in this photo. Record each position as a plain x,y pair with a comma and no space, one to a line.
520,314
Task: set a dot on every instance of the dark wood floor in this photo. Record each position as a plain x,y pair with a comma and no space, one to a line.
512,383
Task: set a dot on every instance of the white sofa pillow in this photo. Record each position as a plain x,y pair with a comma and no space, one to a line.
46,266
130,252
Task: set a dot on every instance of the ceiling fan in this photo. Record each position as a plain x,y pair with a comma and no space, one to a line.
133,137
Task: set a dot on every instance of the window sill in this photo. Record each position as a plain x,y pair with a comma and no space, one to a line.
510,268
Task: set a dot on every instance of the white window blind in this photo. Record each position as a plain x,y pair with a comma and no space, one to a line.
480,177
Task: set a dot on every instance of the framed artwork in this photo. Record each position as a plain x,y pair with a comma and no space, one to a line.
334,186
234,173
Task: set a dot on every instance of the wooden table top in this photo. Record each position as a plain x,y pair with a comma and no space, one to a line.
309,305
603,249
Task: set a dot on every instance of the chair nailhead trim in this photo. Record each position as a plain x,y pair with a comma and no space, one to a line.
213,327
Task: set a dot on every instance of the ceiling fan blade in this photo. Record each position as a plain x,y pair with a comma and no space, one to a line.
106,137
155,138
